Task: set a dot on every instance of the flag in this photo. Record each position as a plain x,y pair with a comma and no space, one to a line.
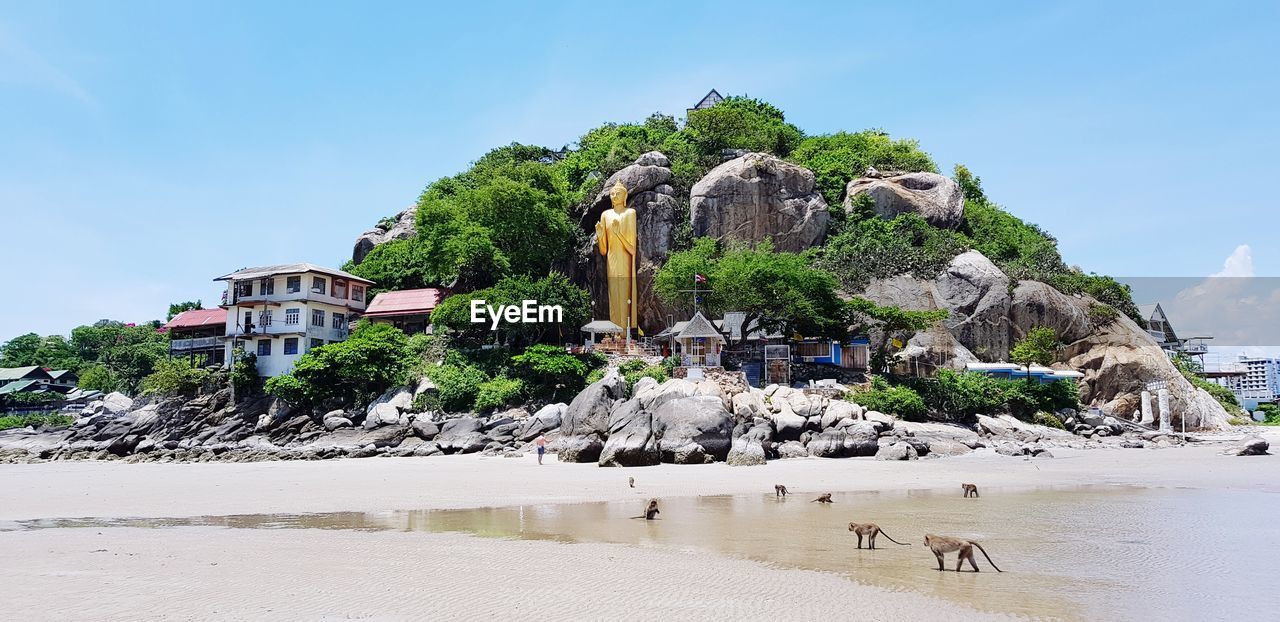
698,278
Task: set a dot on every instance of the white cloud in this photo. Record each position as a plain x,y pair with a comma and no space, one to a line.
1239,263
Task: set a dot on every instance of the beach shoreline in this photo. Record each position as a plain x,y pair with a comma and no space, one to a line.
210,572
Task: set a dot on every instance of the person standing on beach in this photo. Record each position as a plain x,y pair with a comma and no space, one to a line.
541,442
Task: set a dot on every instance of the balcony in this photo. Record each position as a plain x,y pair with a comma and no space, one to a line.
200,343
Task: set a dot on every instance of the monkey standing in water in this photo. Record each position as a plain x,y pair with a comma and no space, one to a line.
823,498
871,530
970,490
779,490
947,544
650,511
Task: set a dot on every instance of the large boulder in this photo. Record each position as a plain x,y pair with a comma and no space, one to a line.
588,413
116,404
701,421
936,198
749,404
657,216
578,448
547,418
461,435
749,448
759,196
631,439
976,294
900,450
402,227
1250,446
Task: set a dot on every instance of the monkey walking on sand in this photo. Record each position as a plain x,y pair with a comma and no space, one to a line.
650,511
779,490
970,490
871,530
631,481
946,544
823,498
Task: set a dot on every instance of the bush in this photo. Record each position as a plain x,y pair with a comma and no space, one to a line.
1049,420
657,372
244,374
874,248
497,393
457,385
1027,398
353,372
1272,413
961,396
835,159
1102,314
35,420
900,401
548,369
174,376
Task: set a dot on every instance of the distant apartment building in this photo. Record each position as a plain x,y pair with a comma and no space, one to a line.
1261,380
281,312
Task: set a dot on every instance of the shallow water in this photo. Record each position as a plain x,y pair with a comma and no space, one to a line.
1068,553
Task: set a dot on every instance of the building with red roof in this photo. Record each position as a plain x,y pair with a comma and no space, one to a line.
406,309
197,333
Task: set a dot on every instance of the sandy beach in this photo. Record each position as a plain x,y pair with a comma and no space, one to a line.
107,573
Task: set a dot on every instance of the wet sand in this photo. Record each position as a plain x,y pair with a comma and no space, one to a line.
684,570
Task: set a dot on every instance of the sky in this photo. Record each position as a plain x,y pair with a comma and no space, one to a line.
147,148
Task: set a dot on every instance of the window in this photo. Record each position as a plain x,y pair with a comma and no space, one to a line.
267,286
292,316
318,285
317,317
339,321
264,347
291,345
248,321
266,317
244,288
357,292
293,284
339,289
316,343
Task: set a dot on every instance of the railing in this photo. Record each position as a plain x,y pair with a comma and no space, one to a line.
193,344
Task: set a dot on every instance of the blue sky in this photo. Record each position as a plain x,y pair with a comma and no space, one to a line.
146,148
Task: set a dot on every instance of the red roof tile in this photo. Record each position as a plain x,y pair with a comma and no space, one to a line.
405,302
196,318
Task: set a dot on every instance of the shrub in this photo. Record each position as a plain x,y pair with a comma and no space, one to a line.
1272,413
174,376
1049,420
244,374
837,158
1027,398
874,248
457,385
900,401
1102,314
497,393
596,375
354,372
1039,346
657,372
35,420
547,369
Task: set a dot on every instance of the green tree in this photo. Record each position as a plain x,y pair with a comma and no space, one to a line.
551,370
356,371
741,123
97,377
20,351
174,376
454,313
778,292
835,159
889,322
875,248
1039,346
179,307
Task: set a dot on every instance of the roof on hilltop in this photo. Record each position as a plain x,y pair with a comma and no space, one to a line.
405,302
288,268
196,318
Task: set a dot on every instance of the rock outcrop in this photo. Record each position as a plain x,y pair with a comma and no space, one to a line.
936,198
402,227
758,196
585,423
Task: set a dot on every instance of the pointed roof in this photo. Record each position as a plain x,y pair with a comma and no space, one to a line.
699,326
30,372
712,98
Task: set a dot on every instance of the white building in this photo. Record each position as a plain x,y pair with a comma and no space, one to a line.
1261,381
281,312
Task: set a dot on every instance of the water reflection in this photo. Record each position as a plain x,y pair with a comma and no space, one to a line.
1080,552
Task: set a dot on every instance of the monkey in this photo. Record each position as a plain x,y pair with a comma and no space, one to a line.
946,544
970,490
650,511
871,530
631,481
779,490
823,498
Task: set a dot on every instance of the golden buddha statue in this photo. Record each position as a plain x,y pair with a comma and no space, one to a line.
616,238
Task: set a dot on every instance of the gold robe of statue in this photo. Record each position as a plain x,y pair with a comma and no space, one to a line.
616,237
